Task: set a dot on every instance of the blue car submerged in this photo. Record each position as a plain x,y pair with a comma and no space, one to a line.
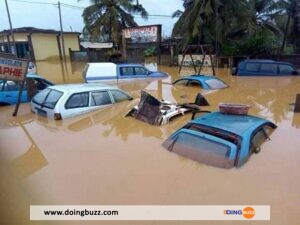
260,67
111,73
206,82
9,90
220,140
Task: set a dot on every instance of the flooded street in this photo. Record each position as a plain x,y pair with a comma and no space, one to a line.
102,158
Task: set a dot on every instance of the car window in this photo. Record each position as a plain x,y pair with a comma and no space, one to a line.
269,68
202,150
252,67
11,86
194,83
3,86
52,98
140,71
41,84
286,69
78,100
259,138
40,97
181,82
100,98
85,70
215,84
119,96
126,71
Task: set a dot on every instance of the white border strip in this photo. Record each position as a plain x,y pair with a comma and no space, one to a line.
151,212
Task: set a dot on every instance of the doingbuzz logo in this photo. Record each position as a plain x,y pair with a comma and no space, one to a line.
247,212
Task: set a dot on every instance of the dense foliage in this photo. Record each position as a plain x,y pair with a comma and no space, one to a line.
238,27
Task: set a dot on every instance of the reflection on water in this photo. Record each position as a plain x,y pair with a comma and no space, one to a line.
104,158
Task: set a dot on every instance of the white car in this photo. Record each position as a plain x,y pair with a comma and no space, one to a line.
64,101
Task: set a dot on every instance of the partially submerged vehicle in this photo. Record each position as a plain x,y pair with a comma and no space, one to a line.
204,81
263,67
9,90
155,112
111,72
64,101
220,140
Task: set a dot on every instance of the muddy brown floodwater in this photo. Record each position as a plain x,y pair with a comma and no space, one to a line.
102,158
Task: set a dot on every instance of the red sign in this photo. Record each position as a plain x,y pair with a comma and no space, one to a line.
12,68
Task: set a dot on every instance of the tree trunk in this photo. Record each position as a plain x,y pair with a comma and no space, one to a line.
284,37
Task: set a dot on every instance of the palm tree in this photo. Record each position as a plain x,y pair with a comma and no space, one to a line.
107,18
196,22
290,10
217,21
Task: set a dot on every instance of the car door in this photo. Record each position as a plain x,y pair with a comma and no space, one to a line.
100,99
141,72
287,70
127,72
269,69
10,93
77,104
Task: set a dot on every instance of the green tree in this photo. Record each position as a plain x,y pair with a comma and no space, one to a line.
289,12
220,22
107,18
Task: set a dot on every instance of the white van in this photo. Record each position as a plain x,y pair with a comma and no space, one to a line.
111,72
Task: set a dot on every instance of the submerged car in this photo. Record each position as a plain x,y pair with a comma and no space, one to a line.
260,67
159,112
112,73
64,101
220,140
9,90
206,82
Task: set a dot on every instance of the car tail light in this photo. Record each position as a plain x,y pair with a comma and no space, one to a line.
57,116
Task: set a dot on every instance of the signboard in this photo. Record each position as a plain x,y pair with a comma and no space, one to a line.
142,34
12,68
197,60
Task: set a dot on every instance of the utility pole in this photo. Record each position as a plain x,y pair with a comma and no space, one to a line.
11,30
61,32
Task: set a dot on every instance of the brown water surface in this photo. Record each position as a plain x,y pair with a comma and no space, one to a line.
103,158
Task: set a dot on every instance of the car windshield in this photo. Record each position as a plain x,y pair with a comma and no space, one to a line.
47,98
202,150
216,84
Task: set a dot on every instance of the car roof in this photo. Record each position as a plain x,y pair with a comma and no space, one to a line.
129,64
266,61
237,124
82,87
34,76
199,78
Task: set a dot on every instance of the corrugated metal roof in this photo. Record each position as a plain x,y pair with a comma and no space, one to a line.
95,45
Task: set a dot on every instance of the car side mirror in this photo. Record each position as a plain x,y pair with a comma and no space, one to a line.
234,71
257,149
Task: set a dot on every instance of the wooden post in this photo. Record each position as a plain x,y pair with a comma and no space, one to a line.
11,29
158,43
61,32
297,104
124,53
19,97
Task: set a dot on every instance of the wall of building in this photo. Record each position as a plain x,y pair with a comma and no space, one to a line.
45,46
19,37
71,41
